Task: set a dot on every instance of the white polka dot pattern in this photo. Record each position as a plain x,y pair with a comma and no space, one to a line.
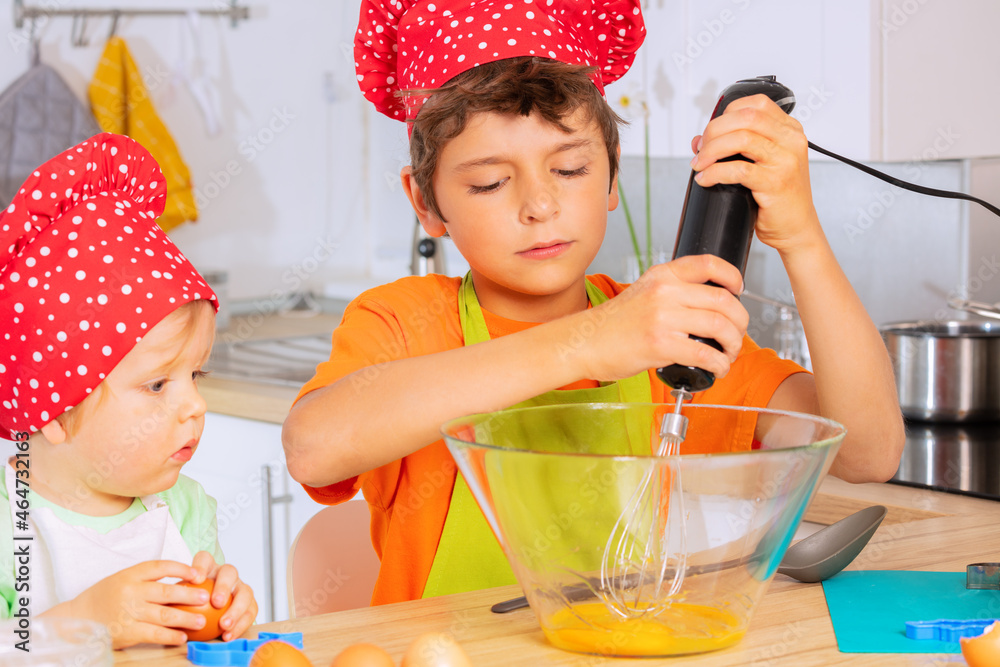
79,252
416,44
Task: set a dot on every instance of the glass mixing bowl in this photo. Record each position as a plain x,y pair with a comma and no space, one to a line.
623,553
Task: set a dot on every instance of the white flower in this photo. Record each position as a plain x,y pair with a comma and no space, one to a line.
631,104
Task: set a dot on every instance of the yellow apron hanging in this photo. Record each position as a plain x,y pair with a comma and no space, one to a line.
468,556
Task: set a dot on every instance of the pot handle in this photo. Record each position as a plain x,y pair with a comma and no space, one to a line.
977,307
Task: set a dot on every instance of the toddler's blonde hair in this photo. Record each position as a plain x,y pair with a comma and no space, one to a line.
74,417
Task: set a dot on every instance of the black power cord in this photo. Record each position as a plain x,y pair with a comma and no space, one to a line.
947,194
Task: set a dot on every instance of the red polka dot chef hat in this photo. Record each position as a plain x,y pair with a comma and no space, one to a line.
85,272
421,44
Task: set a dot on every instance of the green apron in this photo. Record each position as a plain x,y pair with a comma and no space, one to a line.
468,556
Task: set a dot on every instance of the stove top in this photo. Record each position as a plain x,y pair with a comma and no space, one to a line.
959,458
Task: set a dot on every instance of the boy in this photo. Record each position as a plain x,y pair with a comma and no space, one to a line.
514,155
107,327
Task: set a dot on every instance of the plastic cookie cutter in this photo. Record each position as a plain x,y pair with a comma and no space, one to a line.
946,629
983,576
236,653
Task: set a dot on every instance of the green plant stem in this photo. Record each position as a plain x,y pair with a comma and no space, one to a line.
649,206
631,227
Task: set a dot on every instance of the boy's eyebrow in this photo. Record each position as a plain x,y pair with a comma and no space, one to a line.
583,142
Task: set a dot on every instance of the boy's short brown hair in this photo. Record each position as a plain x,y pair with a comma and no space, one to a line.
516,86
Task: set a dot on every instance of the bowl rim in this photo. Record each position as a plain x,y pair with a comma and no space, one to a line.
833,440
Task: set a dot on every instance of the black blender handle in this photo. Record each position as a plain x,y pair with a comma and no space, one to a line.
689,378
719,220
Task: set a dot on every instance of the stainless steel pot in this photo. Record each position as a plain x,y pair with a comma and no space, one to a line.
946,371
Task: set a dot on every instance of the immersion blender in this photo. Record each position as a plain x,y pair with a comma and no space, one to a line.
718,220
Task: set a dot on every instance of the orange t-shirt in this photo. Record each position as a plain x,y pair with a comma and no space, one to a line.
409,498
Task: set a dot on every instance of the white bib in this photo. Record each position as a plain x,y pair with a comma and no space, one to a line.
67,560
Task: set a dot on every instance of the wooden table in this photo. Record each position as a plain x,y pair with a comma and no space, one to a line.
924,530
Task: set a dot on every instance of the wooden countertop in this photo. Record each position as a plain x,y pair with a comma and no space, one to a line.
924,530
256,400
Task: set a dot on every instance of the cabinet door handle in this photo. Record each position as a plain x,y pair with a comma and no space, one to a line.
268,502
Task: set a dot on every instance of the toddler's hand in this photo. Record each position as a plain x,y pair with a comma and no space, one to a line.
648,325
243,611
135,607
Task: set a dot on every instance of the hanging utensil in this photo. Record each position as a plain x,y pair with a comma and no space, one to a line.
78,31
115,15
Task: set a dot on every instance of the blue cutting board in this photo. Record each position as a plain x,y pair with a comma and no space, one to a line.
870,609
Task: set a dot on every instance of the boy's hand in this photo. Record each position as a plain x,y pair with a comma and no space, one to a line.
243,611
778,176
648,325
135,607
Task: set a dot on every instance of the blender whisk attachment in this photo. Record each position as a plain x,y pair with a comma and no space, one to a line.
645,557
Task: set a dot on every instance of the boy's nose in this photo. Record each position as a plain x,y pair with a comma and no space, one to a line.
540,204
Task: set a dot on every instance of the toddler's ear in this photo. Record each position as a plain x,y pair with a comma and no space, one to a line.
428,220
54,432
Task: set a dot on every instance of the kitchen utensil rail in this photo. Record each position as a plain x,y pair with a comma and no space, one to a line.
235,12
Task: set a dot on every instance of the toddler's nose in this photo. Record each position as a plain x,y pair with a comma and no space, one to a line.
192,406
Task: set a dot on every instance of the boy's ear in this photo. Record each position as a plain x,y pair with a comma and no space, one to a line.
54,432
428,220
613,194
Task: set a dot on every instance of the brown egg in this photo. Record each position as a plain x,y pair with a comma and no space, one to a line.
363,655
278,654
211,629
435,649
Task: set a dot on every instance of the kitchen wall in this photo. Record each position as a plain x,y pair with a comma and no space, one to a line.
300,189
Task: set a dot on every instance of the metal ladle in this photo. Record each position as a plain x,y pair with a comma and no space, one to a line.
814,558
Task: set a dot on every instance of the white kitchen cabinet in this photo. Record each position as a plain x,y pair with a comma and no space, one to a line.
241,464
879,80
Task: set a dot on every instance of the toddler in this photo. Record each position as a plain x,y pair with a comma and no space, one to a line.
106,328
